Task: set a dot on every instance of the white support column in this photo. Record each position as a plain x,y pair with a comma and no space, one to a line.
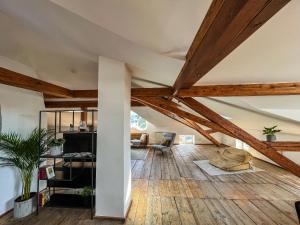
113,185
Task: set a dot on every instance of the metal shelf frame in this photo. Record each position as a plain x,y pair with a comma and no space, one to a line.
57,129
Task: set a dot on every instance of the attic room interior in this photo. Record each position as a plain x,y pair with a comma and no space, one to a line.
149,112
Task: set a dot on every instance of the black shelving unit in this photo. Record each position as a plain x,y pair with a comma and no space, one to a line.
72,174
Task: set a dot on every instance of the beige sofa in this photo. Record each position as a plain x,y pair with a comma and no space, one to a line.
139,140
232,159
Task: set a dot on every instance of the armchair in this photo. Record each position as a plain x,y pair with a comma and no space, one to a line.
166,142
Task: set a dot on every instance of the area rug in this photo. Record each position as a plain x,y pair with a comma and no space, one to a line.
214,171
139,154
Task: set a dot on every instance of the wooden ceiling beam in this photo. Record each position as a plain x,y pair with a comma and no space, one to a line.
287,149
242,135
54,91
292,88
241,90
211,131
227,24
172,107
15,79
283,144
80,104
71,104
151,92
186,122
167,113
85,93
286,146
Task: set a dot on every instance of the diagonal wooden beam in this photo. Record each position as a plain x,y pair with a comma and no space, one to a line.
242,135
211,131
173,108
166,113
15,79
227,24
186,122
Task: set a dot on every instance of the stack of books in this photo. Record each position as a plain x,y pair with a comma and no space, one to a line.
44,197
43,173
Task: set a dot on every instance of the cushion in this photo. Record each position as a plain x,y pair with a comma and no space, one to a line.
135,142
165,141
143,139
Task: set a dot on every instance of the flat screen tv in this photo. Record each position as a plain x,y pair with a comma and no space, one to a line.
79,142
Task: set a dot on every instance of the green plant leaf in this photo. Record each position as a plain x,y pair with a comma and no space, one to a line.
23,154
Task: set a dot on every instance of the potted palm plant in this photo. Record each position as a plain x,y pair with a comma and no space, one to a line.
86,195
270,133
23,154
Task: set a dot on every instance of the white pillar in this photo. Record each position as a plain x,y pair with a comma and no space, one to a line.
113,184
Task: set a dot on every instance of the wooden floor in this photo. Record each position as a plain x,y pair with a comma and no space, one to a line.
171,189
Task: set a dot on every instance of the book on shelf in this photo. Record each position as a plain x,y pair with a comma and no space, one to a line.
44,197
43,173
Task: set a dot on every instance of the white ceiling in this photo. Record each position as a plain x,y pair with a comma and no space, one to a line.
271,54
62,39
166,26
48,24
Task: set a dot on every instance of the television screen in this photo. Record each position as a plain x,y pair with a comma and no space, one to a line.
79,142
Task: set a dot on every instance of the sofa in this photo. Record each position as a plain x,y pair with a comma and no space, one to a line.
232,159
139,140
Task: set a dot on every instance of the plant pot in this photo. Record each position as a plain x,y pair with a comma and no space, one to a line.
271,138
87,201
56,150
24,208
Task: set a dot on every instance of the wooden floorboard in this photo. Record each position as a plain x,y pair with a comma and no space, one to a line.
169,189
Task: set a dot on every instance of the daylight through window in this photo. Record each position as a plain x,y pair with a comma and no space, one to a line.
137,121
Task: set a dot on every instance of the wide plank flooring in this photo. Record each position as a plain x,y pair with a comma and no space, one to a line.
171,189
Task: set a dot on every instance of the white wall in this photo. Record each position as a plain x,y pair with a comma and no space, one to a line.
113,185
19,109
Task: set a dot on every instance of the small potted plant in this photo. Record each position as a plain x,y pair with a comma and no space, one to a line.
86,195
270,133
56,146
23,154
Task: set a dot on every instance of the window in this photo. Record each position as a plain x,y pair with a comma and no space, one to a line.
137,122
241,145
186,139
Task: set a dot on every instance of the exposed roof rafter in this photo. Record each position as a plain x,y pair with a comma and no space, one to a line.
184,121
291,88
227,24
15,79
80,104
172,107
